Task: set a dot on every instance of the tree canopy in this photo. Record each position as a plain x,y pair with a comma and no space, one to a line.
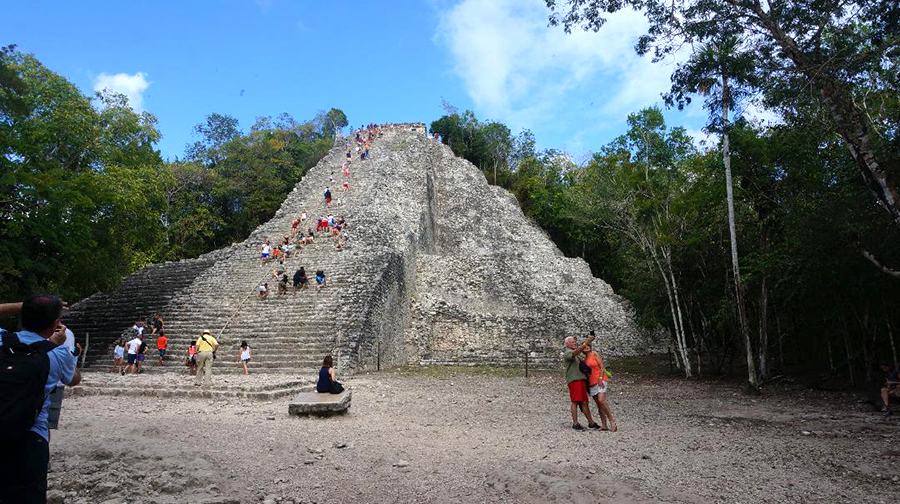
85,197
832,61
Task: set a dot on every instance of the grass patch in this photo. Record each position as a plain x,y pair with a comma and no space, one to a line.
437,371
657,365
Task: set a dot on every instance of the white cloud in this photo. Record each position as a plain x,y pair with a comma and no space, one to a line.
517,69
702,139
761,116
132,86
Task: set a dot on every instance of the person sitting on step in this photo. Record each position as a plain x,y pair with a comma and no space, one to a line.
327,383
279,269
890,388
263,290
320,280
282,285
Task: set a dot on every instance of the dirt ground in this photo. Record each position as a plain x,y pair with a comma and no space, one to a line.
463,436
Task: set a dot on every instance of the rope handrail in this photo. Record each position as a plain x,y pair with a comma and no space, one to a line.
313,211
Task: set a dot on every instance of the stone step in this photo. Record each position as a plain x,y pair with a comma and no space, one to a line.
256,344
195,392
290,365
95,380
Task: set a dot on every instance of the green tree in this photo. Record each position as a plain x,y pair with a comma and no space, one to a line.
78,203
215,133
337,120
841,55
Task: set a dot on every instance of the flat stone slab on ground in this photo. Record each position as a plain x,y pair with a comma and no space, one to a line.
315,403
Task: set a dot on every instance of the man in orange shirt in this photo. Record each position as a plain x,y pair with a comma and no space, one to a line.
162,343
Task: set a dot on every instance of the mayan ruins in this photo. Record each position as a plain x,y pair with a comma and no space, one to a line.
471,251
442,269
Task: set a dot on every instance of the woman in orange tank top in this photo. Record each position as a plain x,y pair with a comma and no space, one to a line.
598,385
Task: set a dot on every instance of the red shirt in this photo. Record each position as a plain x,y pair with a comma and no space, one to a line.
162,342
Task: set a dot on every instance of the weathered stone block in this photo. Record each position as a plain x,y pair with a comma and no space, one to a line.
315,403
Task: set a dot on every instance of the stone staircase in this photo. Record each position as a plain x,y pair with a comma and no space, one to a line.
287,334
170,385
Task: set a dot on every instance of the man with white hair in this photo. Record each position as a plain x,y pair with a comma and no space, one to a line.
577,380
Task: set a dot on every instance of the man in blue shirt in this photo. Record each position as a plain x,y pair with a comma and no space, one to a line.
24,461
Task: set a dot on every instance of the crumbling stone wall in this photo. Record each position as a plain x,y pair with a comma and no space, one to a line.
105,315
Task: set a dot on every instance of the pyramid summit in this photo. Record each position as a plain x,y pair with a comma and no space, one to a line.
439,268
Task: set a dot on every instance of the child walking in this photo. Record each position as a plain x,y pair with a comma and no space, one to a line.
192,361
245,356
118,357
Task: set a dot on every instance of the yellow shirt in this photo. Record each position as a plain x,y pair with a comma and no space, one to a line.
203,346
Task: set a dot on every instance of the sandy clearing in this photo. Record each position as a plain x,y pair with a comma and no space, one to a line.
467,437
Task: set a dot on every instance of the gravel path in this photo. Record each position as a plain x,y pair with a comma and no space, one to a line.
460,436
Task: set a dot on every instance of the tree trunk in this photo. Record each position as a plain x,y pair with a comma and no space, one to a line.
674,308
851,124
738,287
849,354
777,316
684,347
868,348
763,329
698,346
890,329
830,354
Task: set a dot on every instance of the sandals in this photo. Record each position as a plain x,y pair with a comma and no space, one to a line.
577,426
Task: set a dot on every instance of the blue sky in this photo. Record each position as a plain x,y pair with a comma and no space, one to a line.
377,61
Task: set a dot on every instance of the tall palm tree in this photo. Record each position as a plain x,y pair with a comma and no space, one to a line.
720,72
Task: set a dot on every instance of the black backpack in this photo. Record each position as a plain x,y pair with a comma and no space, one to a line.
23,376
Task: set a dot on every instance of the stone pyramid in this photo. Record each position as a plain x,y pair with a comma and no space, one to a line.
440,268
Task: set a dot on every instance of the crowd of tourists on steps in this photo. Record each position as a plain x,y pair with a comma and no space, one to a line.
129,355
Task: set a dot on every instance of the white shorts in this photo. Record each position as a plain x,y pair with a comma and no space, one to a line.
599,388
